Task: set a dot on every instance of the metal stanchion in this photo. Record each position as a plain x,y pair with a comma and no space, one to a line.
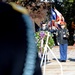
44,55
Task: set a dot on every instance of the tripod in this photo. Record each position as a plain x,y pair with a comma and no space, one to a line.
45,53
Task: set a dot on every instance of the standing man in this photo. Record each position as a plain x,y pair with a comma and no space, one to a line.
62,38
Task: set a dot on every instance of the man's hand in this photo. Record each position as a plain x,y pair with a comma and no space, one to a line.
58,43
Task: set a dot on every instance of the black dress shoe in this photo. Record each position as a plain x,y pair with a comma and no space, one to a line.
63,61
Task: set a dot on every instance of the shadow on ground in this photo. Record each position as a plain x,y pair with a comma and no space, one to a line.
71,59
55,59
47,62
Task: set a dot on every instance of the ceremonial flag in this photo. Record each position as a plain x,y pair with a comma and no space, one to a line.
56,18
52,17
53,14
60,18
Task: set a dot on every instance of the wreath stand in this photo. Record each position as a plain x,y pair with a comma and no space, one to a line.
44,56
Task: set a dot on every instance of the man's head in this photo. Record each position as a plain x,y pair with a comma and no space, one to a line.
62,26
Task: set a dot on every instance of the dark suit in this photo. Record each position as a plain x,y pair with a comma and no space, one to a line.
18,51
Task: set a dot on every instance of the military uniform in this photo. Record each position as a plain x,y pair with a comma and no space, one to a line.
62,38
18,53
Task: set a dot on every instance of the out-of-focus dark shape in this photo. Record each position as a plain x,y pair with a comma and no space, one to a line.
18,53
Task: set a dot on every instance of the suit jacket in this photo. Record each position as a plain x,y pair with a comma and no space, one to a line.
18,53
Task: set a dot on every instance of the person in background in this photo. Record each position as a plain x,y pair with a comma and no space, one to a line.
74,38
18,53
53,30
73,28
42,36
62,38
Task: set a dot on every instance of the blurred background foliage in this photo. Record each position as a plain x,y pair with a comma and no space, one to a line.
67,8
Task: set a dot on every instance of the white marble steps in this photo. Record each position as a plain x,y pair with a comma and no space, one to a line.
53,68
69,47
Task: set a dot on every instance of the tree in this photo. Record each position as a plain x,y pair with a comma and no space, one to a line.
67,8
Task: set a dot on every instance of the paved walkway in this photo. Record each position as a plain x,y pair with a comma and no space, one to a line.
68,67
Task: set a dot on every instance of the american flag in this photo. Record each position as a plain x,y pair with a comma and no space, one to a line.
56,18
60,19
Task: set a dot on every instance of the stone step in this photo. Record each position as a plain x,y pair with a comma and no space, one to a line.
53,68
69,47
68,67
69,73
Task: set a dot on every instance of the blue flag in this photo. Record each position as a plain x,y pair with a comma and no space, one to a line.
53,14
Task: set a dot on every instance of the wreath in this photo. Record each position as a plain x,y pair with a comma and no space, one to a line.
43,35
